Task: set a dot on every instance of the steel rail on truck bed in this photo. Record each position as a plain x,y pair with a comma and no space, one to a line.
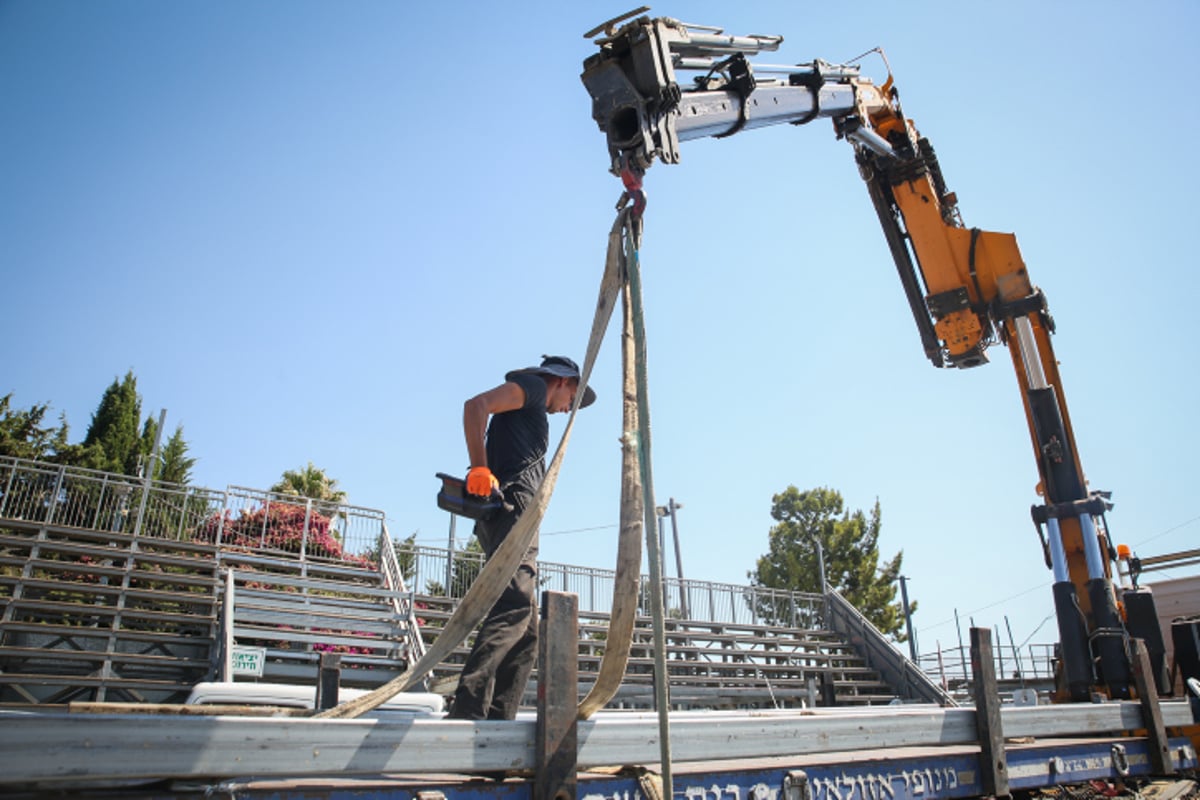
916,773
82,750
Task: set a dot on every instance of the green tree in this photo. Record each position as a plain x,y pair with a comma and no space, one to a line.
174,465
310,482
313,483
851,548
112,442
23,434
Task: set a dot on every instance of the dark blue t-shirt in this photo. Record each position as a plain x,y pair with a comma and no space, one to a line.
517,440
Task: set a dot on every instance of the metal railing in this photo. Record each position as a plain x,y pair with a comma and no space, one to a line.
951,666
34,492
74,497
278,524
430,570
881,654
273,522
401,599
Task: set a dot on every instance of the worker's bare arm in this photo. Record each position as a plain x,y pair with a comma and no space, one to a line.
476,411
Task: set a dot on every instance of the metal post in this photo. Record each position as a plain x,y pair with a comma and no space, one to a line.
308,509
58,482
912,638
1000,653
12,474
450,558
183,510
662,571
672,507
227,617
99,502
220,536
416,578
961,653
262,539
1016,653
149,471
821,564
147,476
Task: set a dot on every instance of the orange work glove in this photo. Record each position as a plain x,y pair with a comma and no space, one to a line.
482,482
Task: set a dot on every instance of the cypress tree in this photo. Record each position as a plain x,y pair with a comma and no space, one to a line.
112,439
174,465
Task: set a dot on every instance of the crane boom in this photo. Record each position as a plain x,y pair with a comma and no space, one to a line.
968,289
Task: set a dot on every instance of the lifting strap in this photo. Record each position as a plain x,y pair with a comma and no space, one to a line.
487,587
627,577
637,499
621,277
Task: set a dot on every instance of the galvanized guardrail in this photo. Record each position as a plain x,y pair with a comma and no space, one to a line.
882,655
41,493
951,666
35,492
430,570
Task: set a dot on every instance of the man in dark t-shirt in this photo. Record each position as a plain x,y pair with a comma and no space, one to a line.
508,456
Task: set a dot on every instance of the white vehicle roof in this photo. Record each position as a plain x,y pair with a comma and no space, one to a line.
246,693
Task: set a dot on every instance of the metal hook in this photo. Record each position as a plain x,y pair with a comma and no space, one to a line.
631,177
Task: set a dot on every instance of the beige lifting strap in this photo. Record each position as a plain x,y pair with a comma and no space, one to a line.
499,569
629,544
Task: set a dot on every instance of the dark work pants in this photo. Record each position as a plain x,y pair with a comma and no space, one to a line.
494,676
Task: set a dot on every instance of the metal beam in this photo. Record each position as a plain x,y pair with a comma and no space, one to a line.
64,747
703,114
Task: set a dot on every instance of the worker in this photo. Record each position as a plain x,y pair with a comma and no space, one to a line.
509,460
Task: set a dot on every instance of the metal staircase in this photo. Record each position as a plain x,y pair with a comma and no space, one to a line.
286,614
93,615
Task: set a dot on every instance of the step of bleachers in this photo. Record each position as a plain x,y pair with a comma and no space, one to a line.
710,665
296,611
95,615
115,589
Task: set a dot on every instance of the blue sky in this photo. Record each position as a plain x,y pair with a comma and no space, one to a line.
313,229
